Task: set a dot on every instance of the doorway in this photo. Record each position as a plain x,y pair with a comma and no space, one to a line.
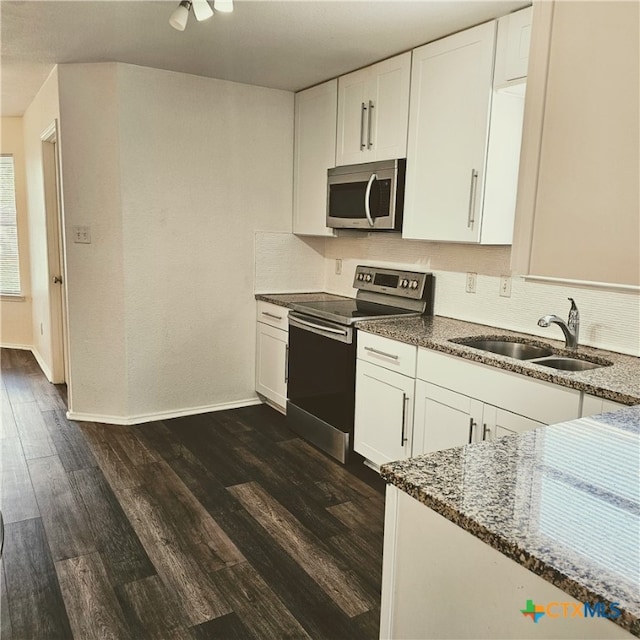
55,255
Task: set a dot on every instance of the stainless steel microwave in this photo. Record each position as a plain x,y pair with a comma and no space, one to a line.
366,196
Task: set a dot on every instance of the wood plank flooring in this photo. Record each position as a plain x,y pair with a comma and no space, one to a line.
223,525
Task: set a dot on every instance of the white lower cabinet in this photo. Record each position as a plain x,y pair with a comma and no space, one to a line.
272,350
383,414
591,406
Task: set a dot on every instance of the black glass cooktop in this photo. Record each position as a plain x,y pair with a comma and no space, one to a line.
349,311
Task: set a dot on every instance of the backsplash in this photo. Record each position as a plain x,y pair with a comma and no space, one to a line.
610,319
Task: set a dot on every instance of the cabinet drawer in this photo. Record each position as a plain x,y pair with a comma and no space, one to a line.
542,401
390,354
273,315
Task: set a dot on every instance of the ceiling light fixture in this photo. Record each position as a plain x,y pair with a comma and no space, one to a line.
201,10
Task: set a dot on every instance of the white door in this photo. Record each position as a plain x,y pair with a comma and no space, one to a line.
499,423
444,419
314,154
451,90
383,414
271,363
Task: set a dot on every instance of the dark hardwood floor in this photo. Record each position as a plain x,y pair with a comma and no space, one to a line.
224,525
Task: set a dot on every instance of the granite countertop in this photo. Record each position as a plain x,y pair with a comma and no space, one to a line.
619,382
562,501
288,299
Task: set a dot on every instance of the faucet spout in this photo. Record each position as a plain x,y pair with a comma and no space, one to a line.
570,329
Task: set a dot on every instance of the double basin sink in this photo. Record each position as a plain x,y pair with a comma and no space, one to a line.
535,353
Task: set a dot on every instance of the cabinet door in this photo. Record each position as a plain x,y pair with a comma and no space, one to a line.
497,423
271,363
314,154
443,419
353,113
518,43
451,91
389,108
383,414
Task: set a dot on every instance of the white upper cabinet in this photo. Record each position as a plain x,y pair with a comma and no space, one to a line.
517,41
451,91
314,154
373,107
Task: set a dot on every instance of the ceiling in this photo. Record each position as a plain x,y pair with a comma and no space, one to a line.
284,44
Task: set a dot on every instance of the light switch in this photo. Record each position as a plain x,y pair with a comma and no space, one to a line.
82,235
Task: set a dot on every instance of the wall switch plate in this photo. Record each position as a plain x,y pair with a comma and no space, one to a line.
81,235
505,286
338,266
471,282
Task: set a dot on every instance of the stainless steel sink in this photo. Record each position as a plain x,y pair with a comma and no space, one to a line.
570,364
517,350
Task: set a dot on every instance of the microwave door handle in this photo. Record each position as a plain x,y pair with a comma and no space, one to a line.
367,196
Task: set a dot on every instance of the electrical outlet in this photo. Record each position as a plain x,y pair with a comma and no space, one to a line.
471,282
82,235
338,266
505,286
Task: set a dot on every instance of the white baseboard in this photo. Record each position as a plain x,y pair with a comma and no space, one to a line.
22,347
161,415
42,364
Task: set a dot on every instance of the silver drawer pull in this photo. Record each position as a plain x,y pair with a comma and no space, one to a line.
381,353
271,315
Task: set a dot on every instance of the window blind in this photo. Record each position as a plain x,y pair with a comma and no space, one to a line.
9,263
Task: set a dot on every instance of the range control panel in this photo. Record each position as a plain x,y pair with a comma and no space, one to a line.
407,284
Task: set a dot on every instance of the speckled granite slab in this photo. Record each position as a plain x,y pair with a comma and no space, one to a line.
562,501
619,382
287,299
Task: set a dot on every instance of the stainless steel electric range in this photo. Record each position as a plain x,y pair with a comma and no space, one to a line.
322,352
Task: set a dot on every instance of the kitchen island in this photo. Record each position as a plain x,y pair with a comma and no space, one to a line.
535,535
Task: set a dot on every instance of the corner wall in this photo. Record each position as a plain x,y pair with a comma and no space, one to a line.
41,113
15,315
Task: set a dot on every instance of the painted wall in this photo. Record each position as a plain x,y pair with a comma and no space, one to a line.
173,174
89,132
15,314
41,113
204,164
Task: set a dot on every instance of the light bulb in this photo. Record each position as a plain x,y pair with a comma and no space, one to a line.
223,6
179,17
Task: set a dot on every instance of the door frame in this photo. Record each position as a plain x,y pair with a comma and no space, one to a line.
56,253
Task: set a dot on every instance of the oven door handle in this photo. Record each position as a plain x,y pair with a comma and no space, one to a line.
305,324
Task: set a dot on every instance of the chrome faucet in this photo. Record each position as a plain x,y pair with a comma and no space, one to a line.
571,329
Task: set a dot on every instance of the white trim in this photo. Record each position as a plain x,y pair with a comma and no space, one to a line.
629,288
161,415
42,364
387,604
22,347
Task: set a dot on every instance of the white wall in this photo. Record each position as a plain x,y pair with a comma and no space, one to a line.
173,174
15,314
41,113
89,132
204,164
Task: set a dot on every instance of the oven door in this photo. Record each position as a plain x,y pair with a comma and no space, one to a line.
321,383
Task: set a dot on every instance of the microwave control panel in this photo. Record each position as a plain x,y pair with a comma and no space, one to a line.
407,284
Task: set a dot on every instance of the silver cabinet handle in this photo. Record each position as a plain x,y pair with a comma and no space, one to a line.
485,431
286,364
472,198
370,118
381,353
403,439
271,315
471,425
367,199
363,111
